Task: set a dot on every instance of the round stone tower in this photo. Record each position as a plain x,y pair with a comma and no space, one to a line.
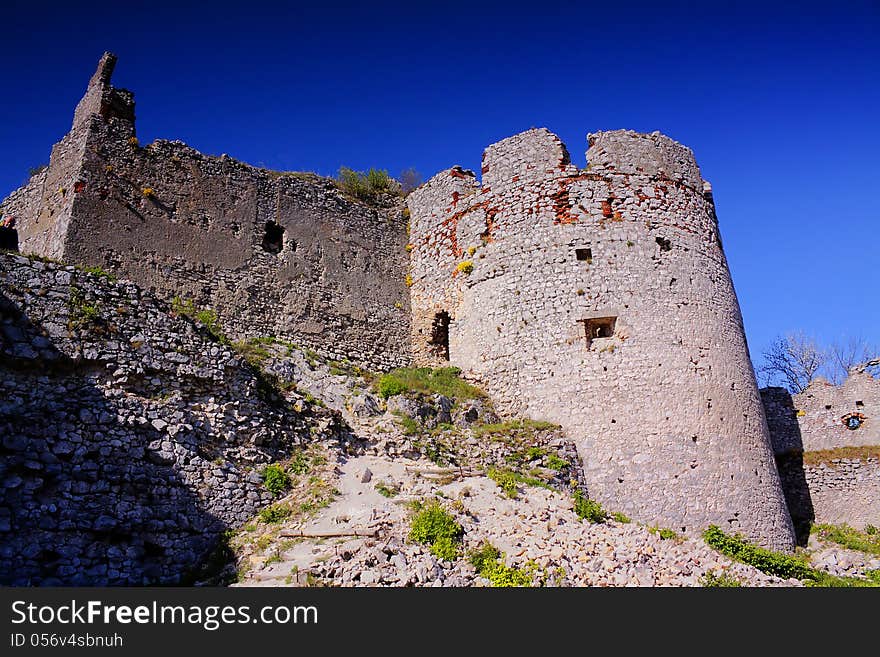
600,299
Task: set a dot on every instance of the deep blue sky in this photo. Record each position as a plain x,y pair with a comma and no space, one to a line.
779,101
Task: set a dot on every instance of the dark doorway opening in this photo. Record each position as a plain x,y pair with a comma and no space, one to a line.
440,335
273,237
8,239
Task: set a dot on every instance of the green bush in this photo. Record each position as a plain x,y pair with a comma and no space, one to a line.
621,517
274,513
588,509
299,464
275,479
433,525
767,561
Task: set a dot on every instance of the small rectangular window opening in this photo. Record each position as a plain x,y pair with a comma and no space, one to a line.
584,255
599,327
860,403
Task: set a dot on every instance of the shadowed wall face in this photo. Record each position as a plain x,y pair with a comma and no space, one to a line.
130,441
275,254
600,299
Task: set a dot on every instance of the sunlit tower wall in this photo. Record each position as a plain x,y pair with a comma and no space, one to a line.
601,299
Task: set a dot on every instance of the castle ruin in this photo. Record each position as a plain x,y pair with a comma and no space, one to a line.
598,298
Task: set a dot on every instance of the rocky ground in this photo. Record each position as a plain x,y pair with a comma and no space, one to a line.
346,520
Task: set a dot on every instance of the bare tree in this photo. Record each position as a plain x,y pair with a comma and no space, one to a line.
794,360
848,353
409,179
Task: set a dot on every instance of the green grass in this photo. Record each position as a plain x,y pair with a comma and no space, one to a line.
621,517
720,581
81,312
434,526
364,186
444,381
514,430
849,537
588,509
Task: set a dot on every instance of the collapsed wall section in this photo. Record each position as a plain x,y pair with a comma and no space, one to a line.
285,255
600,299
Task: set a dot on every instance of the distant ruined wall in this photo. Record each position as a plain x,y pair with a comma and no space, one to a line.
601,299
129,440
273,254
834,486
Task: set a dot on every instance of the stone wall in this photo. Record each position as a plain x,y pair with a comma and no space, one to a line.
130,439
823,480
274,254
601,299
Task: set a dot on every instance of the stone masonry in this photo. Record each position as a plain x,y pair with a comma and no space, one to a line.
601,299
273,254
810,431
129,439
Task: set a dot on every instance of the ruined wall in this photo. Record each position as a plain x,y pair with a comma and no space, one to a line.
661,397
824,482
273,254
129,439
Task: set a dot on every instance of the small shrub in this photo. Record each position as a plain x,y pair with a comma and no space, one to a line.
471,250
133,141
275,479
620,517
148,192
588,509
488,562
465,267
580,293
719,581
408,280
432,525
389,386
556,463
506,481
274,514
